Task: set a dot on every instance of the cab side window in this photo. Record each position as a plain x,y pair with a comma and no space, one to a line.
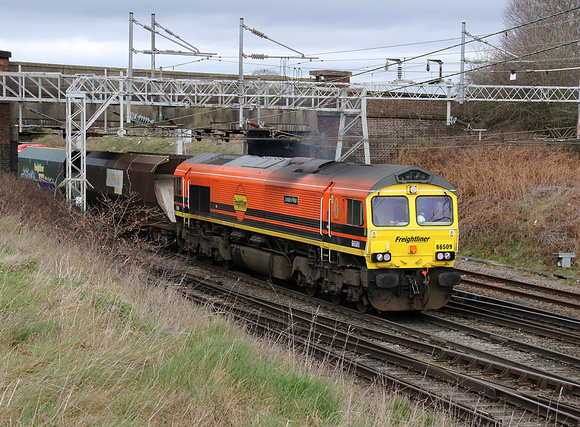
354,212
199,198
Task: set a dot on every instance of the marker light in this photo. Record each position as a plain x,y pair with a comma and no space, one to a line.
379,257
413,249
413,189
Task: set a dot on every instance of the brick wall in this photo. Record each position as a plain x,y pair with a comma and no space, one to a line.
399,119
407,109
393,124
8,152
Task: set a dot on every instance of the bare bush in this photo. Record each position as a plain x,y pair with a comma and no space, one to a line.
119,227
34,206
511,197
116,228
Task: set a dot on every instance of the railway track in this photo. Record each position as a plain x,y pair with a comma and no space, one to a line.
472,383
550,313
515,316
521,289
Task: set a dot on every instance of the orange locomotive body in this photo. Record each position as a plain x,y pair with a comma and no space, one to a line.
350,230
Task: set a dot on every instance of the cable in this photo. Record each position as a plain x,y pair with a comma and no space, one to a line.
385,47
482,37
411,85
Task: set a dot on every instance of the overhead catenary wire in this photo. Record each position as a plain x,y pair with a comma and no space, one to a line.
277,115
264,36
438,51
174,39
478,68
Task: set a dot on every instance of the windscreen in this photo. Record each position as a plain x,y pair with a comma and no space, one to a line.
390,211
434,210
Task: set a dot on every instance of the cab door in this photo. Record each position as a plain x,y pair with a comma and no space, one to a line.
326,217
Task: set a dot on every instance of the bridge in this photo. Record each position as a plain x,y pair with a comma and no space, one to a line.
347,99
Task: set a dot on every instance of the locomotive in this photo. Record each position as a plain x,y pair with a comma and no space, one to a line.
380,236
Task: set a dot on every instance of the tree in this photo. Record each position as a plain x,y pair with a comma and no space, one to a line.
536,52
549,58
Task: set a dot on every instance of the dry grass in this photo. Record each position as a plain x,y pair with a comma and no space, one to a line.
86,341
519,203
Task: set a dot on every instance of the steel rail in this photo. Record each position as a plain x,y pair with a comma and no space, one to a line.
485,362
523,294
519,304
280,328
469,276
445,353
518,310
376,376
507,320
517,344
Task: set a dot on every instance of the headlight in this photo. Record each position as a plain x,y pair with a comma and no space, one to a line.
381,257
444,256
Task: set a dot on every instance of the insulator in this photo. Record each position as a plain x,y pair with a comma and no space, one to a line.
258,33
258,56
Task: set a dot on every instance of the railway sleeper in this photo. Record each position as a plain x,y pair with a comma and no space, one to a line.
521,377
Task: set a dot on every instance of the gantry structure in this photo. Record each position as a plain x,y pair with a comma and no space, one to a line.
349,100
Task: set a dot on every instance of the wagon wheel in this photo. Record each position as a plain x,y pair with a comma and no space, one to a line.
301,281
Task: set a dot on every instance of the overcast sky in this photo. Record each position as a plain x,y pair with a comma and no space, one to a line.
355,36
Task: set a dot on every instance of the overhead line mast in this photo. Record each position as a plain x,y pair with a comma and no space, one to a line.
242,56
191,50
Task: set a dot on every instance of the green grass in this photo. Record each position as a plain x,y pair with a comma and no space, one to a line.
64,358
85,343
148,144
162,145
215,356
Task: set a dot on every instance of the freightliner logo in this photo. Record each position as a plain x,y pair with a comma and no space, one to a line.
414,239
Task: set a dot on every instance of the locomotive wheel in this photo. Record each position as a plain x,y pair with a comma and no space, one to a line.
362,306
336,299
311,291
